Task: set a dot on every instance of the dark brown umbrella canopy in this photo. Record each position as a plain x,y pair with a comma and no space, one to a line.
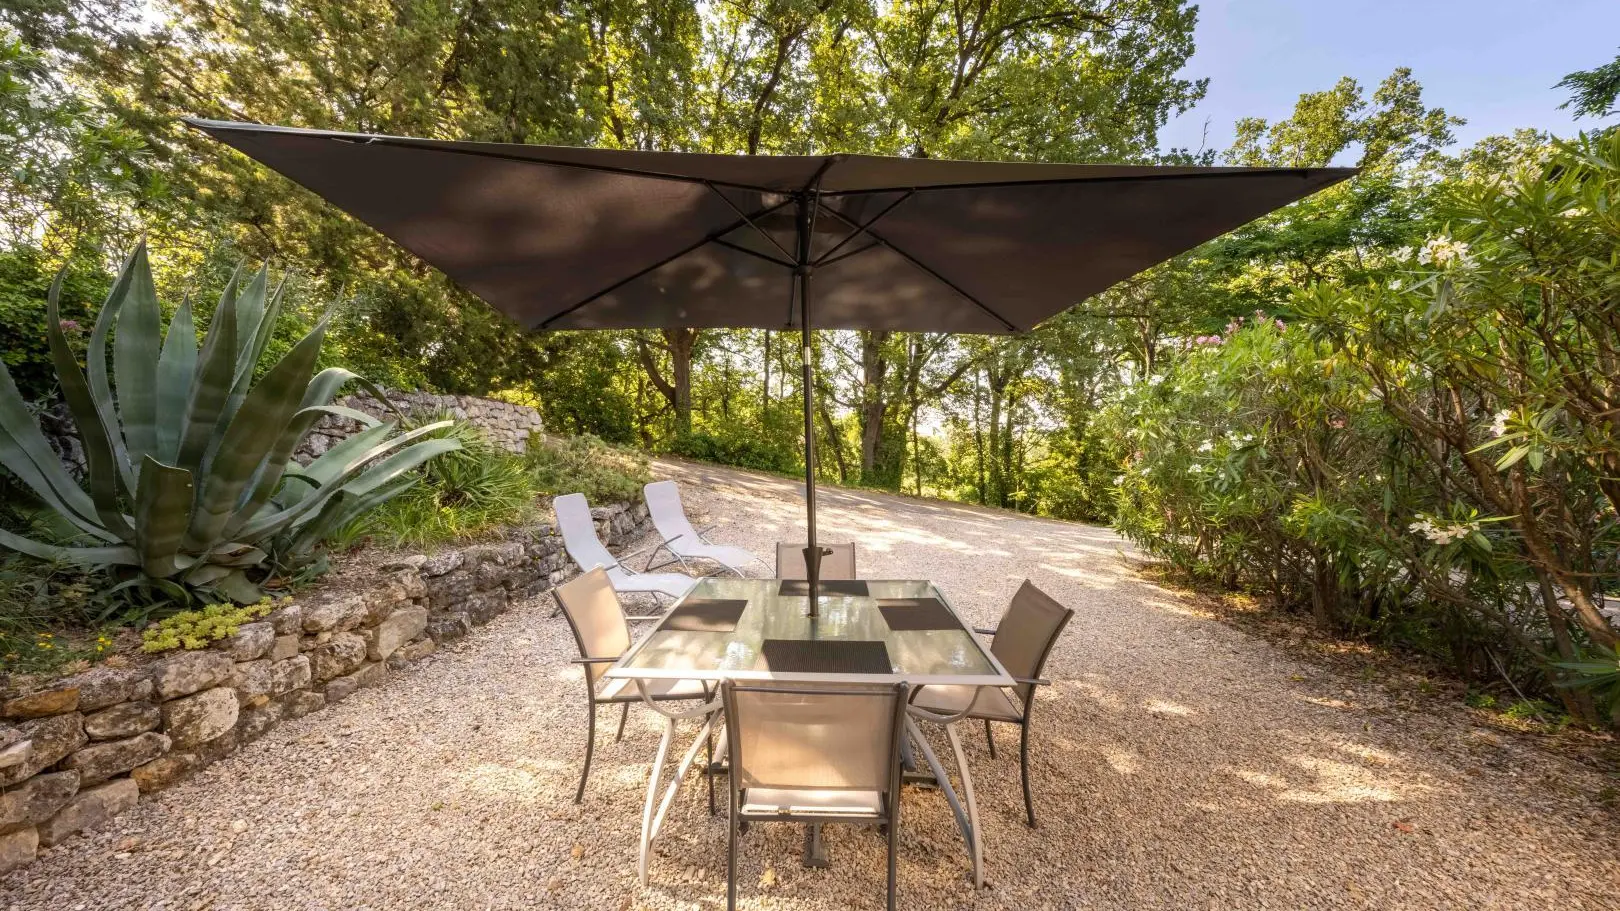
568,238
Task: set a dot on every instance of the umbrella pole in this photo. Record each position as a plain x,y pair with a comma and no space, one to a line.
812,552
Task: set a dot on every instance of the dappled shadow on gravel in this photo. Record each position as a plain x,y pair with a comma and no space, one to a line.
1178,763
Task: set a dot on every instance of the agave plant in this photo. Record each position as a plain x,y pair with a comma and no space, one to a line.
191,483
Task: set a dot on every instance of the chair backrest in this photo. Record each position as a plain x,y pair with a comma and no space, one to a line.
824,738
668,513
1027,632
578,532
840,564
596,617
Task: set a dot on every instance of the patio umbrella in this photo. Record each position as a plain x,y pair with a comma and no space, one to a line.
573,238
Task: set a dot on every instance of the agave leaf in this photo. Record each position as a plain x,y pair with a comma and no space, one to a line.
163,499
100,390
270,472
177,367
250,438
235,553
267,327
343,508
206,574
337,460
84,556
249,314
25,453
100,457
236,586
414,454
134,364
216,365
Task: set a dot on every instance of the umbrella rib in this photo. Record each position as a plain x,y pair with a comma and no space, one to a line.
859,229
942,280
1303,173
824,262
707,238
744,216
755,253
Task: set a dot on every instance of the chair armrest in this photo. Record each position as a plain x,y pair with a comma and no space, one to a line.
595,660
639,618
985,630
1033,681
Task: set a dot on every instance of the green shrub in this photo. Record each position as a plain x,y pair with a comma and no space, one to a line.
462,494
743,447
195,629
191,487
584,464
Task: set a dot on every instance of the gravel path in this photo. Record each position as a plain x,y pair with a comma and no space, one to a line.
1179,764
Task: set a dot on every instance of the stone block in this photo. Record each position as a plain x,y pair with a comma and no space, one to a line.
123,720
337,616
53,739
18,849
441,563
251,679
449,627
165,771
401,627
284,647
341,655
253,723
291,674
250,641
106,686
301,703
482,608
90,809
36,800
341,688
57,700
372,673
286,621
191,672
198,719
101,761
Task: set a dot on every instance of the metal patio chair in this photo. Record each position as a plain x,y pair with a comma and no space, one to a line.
1022,642
602,632
578,532
813,755
839,564
684,542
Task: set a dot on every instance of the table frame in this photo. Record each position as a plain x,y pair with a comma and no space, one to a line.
661,796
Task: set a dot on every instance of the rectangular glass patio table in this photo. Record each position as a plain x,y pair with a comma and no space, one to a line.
916,656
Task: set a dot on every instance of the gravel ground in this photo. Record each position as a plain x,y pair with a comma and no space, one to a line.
1178,763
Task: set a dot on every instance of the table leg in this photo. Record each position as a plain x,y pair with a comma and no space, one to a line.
967,820
815,849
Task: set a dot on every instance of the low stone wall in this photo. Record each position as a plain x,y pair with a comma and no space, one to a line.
504,424
80,750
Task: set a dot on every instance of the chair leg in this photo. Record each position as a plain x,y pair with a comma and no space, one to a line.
894,835
731,858
989,739
590,747
623,715
708,769
1023,770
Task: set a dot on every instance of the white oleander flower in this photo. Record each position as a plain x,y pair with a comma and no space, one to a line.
1499,422
1443,251
1206,446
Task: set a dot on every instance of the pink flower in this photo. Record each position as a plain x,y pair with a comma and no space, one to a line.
1281,327
1336,423
70,325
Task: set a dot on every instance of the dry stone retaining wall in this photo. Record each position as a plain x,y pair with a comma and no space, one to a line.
80,750
504,424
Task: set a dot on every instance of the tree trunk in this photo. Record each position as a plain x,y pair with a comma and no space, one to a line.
874,408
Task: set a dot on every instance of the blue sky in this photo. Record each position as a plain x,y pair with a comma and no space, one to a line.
1490,61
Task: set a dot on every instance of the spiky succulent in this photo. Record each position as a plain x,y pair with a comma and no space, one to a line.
190,479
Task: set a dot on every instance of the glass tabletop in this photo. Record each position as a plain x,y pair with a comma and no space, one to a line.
917,656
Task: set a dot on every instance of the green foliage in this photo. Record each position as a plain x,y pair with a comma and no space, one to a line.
191,487
195,629
584,464
460,495
1594,92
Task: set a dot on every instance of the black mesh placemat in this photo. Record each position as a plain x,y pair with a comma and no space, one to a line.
917,613
801,587
825,656
706,615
